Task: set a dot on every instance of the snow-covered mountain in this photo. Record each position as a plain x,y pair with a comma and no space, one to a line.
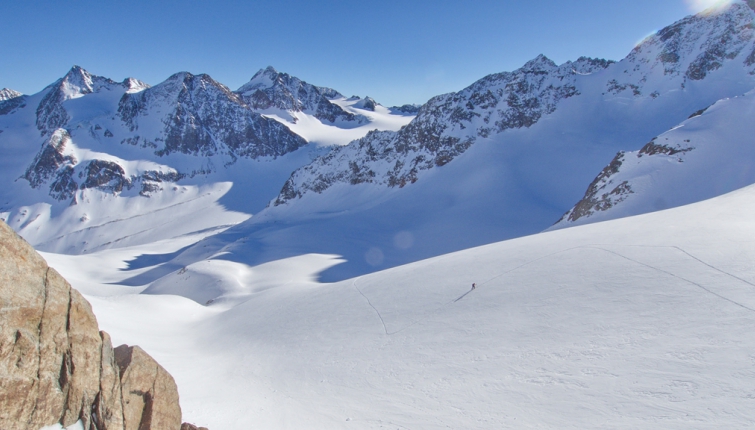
503,158
7,93
445,127
707,155
186,114
677,58
90,154
319,114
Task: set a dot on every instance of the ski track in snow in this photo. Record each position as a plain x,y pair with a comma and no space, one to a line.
685,279
563,251
382,321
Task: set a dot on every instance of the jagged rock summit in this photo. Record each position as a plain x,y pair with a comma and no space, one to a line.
56,367
270,89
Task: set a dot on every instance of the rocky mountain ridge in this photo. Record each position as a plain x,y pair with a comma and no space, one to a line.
203,118
186,114
444,128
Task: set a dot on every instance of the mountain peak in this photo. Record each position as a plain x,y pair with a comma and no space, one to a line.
77,82
134,85
539,63
76,69
180,76
7,94
697,45
270,70
726,6
367,103
264,78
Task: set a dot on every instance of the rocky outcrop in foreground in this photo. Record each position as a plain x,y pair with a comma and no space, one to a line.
57,367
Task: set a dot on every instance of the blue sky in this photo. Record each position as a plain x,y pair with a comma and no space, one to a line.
395,51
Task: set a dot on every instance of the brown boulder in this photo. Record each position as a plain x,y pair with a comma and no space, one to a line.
55,364
150,396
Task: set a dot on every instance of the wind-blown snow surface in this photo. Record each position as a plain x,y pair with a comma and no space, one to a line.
641,322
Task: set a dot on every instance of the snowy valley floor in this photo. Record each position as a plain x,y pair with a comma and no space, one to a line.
642,322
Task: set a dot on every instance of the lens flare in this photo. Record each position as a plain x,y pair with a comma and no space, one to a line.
708,7
641,41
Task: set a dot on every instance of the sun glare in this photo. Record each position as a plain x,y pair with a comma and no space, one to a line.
708,6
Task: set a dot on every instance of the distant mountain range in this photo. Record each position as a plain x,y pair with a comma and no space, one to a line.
90,163
101,152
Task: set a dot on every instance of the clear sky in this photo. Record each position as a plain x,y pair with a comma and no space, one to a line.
394,51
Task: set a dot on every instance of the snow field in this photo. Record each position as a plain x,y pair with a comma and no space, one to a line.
642,322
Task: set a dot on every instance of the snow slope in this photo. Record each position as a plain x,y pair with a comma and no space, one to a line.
707,155
641,322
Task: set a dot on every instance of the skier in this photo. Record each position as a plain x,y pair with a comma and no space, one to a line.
474,285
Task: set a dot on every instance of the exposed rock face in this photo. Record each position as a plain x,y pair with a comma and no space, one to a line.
57,165
446,126
407,109
690,49
186,114
51,115
603,193
369,104
205,118
55,364
10,105
610,188
55,154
